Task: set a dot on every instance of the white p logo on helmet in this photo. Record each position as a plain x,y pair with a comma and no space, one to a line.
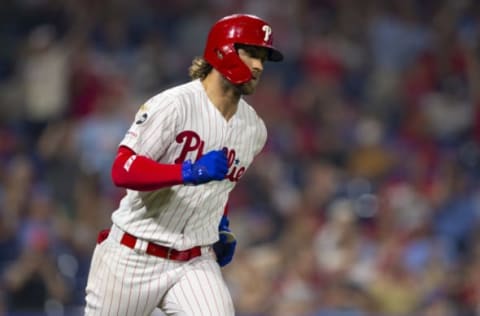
268,30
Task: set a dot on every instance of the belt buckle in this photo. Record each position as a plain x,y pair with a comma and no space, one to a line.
169,253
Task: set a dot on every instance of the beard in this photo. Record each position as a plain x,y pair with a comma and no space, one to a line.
246,88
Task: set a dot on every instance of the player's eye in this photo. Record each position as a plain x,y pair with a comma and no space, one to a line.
254,52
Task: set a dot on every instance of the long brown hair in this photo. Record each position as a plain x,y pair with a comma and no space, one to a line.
199,69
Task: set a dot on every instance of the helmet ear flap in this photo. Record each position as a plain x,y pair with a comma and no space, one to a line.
219,54
229,64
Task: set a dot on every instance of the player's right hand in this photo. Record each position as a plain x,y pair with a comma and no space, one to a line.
211,166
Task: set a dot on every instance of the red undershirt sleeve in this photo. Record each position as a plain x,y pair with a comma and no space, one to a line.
141,173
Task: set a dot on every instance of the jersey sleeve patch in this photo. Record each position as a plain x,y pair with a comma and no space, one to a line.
142,119
153,127
141,115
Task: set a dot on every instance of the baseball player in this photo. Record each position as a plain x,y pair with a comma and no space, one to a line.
181,157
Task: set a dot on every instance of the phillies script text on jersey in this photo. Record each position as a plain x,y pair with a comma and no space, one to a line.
192,142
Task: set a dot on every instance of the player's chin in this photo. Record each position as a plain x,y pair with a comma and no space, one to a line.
249,87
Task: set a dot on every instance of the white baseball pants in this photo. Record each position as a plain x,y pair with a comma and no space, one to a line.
124,281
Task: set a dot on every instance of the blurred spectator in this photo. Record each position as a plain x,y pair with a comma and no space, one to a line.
253,281
342,298
370,157
96,136
341,250
34,273
44,74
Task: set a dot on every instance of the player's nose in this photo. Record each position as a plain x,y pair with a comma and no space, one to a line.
257,71
257,65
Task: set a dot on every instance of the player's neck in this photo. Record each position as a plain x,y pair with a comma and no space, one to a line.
223,95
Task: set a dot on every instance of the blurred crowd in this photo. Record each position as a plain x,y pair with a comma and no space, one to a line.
365,201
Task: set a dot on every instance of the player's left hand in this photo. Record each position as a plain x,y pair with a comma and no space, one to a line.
225,247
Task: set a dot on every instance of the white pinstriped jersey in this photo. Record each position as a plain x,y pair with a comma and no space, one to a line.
178,124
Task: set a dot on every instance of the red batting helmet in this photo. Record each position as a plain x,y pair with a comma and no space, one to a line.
234,29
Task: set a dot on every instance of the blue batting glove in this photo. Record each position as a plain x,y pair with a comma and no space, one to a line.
225,247
211,166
